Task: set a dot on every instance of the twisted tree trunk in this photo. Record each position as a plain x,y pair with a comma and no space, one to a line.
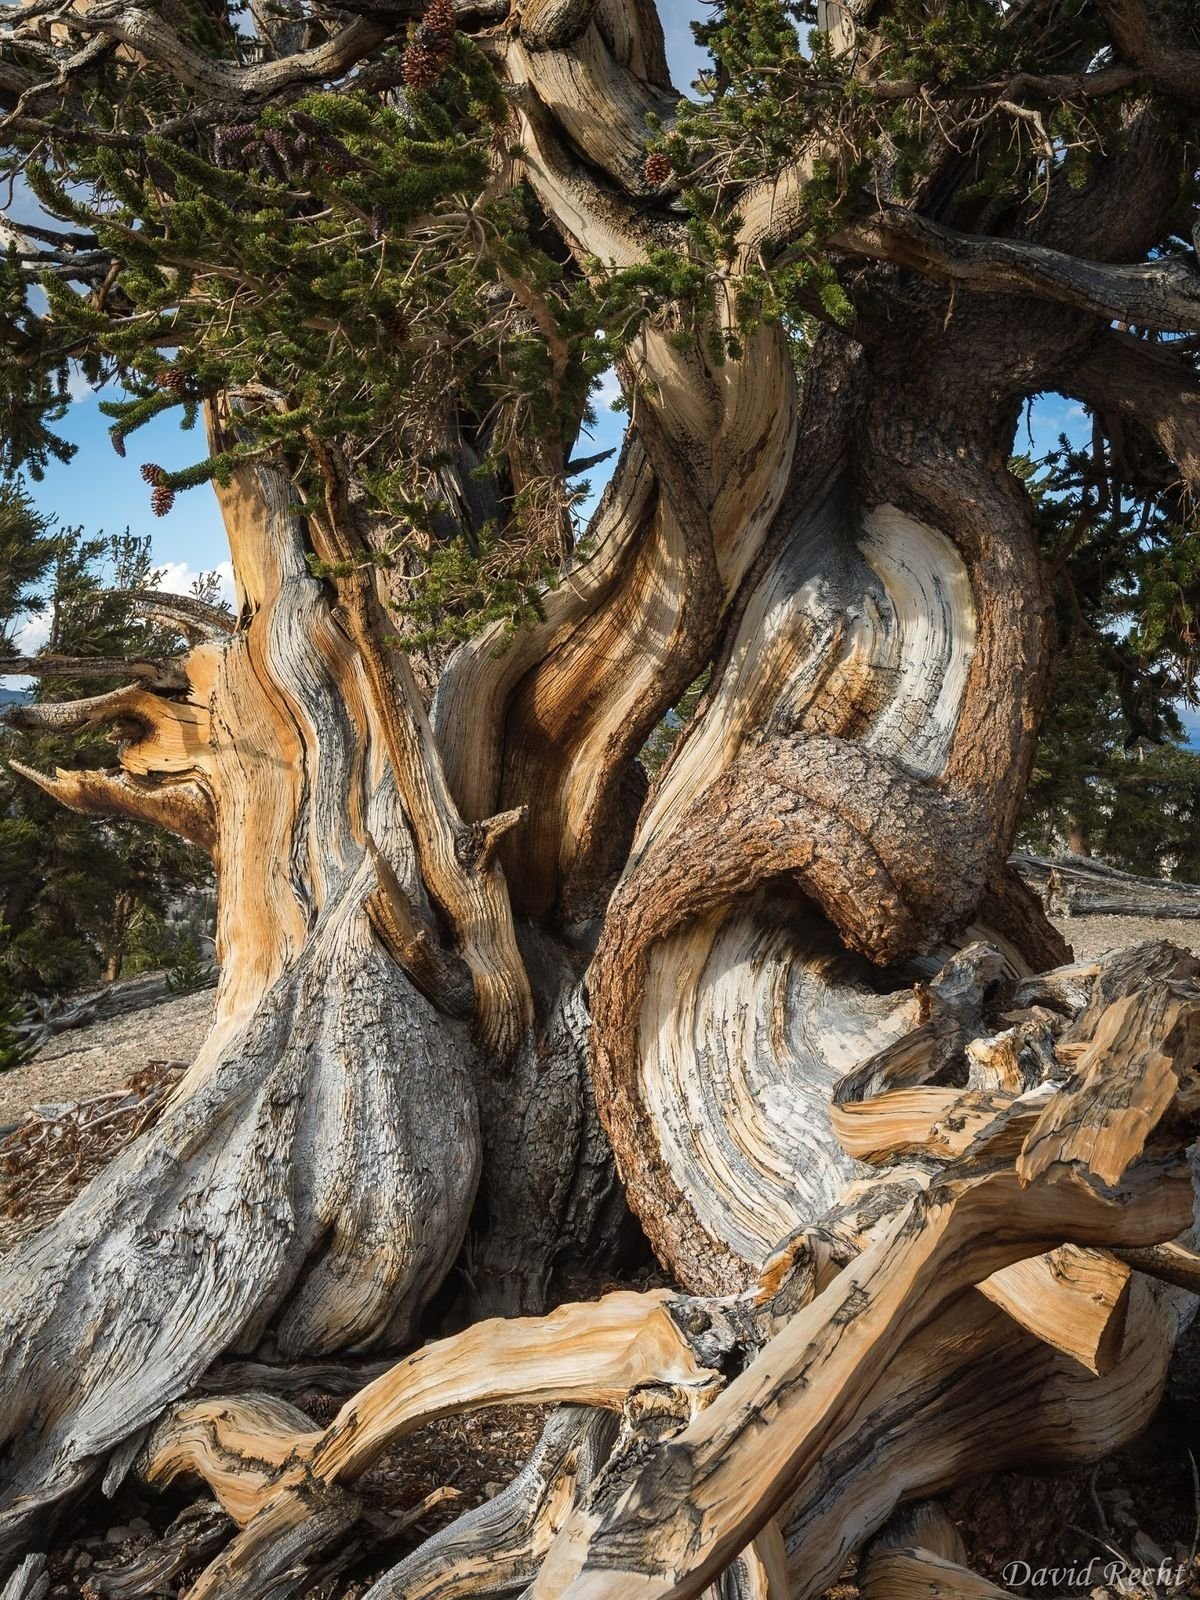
472,974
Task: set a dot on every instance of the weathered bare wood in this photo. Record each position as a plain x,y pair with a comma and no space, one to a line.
590,1354
707,1476
1075,1300
861,571
1172,1263
323,1377
729,1470
181,806
1163,294
1144,1048
195,619
165,676
196,1534
30,1580
921,1553
1080,886
499,1547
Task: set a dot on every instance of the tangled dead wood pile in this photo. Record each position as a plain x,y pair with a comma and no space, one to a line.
997,1283
56,1150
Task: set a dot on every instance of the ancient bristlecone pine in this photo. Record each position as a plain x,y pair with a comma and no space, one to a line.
926,1212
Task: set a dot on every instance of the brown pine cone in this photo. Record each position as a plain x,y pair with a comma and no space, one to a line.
432,48
420,67
439,22
658,168
152,473
162,499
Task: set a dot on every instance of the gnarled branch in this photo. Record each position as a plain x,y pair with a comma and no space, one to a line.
1162,295
167,676
182,808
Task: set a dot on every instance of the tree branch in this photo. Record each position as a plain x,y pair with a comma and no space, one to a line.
1149,385
144,32
167,676
155,736
413,943
185,809
73,716
1170,68
1160,295
196,619
553,24
472,893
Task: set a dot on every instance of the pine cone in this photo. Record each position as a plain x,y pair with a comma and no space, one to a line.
118,441
162,499
439,22
281,143
270,162
230,139
421,70
152,473
432,47
172,378
658,168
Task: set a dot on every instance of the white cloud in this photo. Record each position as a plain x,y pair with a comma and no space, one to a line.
78,388
77,385
609,391
33,633
27,639
177,577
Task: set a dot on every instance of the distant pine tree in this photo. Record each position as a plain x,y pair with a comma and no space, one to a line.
1112,775
80,899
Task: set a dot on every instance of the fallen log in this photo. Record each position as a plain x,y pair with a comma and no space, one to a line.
1081,886
50,1017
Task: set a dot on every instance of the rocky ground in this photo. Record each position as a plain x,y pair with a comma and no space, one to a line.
1092,936
85,1062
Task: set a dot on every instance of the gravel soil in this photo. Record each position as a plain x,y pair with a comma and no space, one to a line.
1092,936
85,1062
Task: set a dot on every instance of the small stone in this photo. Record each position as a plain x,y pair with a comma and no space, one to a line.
82,1561
139,1524
119,1535
491,1489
